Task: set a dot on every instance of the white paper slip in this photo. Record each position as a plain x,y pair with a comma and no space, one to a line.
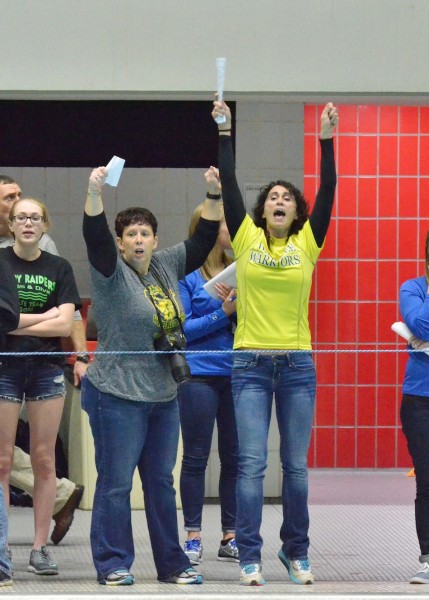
114,170
401,329
220,69
227,276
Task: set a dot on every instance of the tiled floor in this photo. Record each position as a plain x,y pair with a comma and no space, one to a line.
363,545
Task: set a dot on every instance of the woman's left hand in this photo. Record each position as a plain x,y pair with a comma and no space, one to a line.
418,344
328,121
222,290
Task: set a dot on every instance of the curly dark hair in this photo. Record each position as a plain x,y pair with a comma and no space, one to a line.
302,207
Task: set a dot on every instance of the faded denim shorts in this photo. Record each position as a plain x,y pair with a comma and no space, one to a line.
30,380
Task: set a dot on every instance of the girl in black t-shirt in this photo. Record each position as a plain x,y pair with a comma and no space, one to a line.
48,297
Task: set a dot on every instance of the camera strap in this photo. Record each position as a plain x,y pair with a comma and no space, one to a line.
164,289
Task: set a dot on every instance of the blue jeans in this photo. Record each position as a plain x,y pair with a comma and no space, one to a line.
5,565
202,401
255,378
415,425
127,435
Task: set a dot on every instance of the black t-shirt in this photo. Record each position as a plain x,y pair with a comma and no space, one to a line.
9,302
42,284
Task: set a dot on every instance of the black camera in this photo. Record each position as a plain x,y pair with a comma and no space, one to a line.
174,340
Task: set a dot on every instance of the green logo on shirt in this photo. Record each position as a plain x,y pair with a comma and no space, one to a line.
33,291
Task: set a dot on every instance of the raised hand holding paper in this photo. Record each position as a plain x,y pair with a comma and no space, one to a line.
220,67
114,170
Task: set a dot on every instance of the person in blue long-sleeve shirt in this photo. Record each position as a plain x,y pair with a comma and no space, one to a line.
414,304
207,397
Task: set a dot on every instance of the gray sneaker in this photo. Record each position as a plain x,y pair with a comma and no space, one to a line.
422,576
41,563
228,551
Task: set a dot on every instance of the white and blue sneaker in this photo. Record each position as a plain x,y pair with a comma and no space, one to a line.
251,575
119,577
188,576
194,550
299,570
421,576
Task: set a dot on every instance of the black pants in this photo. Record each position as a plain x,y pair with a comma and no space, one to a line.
415,425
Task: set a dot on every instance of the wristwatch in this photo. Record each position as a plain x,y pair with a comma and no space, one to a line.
84,358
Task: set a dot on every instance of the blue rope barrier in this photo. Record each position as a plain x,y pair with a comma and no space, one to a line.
167,352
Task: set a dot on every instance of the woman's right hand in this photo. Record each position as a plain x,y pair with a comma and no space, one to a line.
97,179
213,181
222,109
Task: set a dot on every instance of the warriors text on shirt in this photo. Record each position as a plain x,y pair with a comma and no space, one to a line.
290,257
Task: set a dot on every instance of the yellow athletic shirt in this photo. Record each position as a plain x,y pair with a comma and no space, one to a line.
273,288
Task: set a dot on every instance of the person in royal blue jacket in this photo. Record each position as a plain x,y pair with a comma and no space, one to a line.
414,304
207,397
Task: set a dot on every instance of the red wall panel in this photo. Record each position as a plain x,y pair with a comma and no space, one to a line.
375,242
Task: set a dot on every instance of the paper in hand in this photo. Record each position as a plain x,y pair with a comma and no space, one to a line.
401,329
114,170
220,68
227,276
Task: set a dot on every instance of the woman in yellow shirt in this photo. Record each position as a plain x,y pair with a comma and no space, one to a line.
275,253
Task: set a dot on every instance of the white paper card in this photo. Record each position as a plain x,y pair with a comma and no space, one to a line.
227,276
114,170
401,329
220,69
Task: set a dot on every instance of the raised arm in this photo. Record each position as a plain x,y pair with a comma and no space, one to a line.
100,244
199,245
321,214
233,201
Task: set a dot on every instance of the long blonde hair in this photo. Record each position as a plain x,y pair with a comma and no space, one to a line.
217,257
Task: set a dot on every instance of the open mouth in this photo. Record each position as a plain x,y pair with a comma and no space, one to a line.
279,213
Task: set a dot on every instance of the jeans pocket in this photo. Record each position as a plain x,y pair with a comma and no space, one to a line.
301,361
243,361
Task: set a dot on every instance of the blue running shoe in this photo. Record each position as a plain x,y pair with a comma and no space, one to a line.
119,577
251,575
299,570
194,550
